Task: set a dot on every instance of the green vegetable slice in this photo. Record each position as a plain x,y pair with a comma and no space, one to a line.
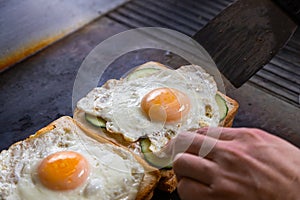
223,109
140,73
152,158
96,121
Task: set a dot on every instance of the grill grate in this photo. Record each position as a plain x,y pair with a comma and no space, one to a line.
281,77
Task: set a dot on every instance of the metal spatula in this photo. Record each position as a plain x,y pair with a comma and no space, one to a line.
246,35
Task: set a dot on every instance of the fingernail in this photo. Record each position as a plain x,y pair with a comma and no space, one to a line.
202,131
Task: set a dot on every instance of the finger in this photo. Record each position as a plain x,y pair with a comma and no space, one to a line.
188,189
194,167
221,133
193,143
203,146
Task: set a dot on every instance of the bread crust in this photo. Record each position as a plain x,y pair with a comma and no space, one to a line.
233,107
168,180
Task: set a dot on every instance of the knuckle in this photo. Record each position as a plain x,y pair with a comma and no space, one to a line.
206,168
250,134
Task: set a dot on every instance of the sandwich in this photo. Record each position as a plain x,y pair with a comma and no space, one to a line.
151,105
61,161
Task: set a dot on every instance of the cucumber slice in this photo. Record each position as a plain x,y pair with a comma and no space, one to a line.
96,121
140,73
223,109
153,159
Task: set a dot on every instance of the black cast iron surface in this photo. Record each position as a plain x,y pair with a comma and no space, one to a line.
39,90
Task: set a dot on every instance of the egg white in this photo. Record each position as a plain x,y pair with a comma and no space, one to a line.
119,103
114,173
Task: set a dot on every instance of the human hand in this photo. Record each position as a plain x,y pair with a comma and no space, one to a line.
247,164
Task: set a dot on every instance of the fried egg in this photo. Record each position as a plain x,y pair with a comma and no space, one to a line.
66,164
158,106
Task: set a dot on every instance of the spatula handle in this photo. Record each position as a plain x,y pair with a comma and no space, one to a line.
292,7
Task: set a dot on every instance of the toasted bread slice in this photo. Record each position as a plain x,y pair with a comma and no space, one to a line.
63,134
168,181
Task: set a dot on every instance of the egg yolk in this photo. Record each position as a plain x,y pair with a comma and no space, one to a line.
165,105
64,170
